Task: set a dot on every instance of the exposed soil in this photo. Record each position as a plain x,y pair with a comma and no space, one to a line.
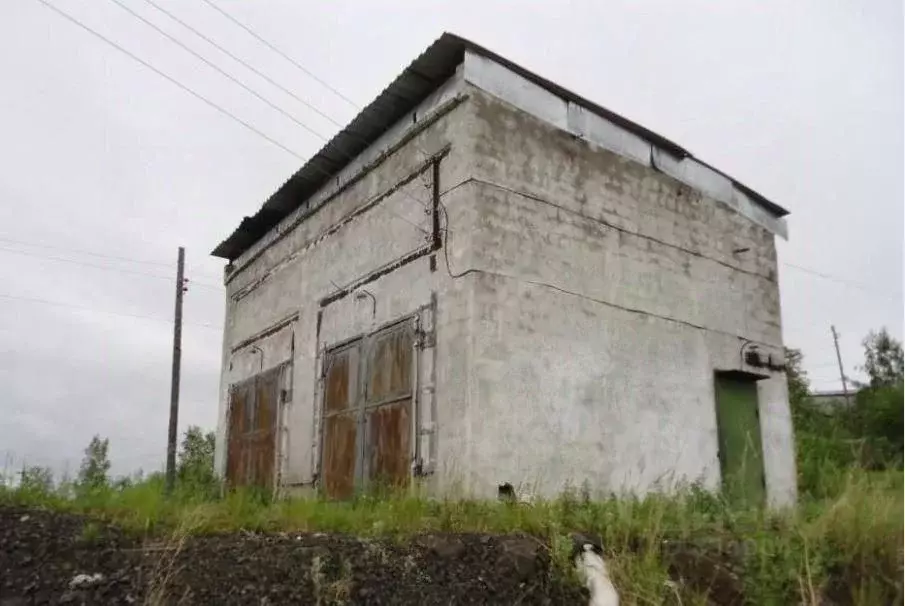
43,553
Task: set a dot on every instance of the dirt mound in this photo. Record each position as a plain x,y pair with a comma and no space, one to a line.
50,558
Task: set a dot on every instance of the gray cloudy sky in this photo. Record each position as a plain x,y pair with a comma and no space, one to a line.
802,101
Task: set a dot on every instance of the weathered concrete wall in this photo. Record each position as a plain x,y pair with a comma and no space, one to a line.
608,295
277,286
586,302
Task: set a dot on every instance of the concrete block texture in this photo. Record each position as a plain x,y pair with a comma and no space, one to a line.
582,303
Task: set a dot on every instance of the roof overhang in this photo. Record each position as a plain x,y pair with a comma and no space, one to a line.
425,75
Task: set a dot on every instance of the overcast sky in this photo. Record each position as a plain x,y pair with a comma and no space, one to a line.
802,101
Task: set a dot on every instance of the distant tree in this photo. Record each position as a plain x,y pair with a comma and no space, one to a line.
878,414
195,469
122,483
37,479
95,466
65,486
797,377
883,360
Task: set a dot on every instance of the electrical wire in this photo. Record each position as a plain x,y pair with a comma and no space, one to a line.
244,63
102,311
274,106
195,94
82,252
249,89
218,69
171,79
207,101
272,47
261,74
301,67
102,256
105,267
839,280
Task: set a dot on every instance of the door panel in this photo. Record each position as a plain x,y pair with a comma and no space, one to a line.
241,397
341,421
389,445
252,432
389,399
340,453
341,380
741,450
262,439
390,365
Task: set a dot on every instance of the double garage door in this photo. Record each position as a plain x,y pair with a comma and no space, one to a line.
367,413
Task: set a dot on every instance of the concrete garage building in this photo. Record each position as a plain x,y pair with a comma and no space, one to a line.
487,279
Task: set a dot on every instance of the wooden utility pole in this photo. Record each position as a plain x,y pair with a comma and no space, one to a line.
841,368
174,380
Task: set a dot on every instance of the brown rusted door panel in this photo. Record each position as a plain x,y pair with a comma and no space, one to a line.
340,452
341,418
388,448
390,365
253,414
238,410
266,387
263,440
340,384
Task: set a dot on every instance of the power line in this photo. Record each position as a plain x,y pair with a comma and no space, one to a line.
83,263
274,106
217,68
103,267
83,252
831,278
209,102
243,63
257,71
79,251
264,99
101,311
253,69
281,53
171,79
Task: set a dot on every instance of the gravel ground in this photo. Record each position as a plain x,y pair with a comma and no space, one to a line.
53,558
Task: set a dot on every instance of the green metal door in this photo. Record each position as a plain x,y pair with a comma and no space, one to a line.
741,451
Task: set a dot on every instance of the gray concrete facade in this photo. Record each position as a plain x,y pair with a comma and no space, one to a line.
586,289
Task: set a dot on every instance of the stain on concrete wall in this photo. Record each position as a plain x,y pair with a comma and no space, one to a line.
580,305
608,295
337,245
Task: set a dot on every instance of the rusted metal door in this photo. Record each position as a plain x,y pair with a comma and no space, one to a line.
341,420
368,393
388,404
241,398
252,438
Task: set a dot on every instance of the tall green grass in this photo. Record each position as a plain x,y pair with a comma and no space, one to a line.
842,542
848,545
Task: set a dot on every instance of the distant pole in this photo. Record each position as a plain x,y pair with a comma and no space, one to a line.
841,369
174,381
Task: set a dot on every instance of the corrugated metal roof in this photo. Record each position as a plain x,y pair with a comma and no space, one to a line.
423,76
